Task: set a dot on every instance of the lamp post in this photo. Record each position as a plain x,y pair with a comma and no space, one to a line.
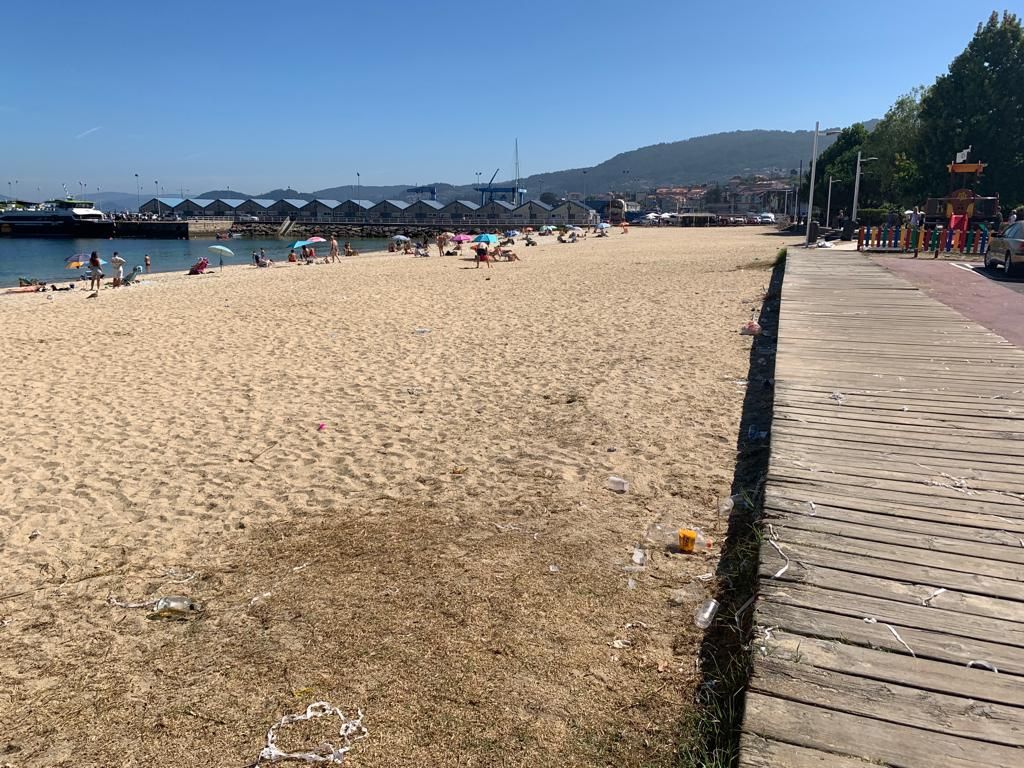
138,193
810,190
584,187
359,186
856,184
828,205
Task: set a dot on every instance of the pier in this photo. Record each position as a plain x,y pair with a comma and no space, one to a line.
170,230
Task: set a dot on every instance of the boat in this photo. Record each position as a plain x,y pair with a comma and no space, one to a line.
56,218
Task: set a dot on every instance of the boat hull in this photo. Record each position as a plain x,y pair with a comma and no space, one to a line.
78,229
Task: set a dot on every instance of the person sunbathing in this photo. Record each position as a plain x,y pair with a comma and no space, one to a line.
199,267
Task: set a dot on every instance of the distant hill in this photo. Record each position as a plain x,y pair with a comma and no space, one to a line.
716,157
713,158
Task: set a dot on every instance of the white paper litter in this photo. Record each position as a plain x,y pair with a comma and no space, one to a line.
983,665
873,620
351,730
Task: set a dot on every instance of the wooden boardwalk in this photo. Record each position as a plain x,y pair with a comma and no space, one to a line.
892,571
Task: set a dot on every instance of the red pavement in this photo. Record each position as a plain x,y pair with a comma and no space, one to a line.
981,295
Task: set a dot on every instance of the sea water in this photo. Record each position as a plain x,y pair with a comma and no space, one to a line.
44,258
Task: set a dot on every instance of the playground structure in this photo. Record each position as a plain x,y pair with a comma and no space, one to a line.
962,207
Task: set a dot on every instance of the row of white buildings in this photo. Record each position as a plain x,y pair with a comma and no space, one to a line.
422,212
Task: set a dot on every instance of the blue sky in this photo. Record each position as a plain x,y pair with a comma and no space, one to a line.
256,95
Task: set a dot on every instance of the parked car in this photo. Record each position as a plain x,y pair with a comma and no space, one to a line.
767,218
1007,248
248,218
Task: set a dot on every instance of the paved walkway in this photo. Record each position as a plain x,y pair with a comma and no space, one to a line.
892,587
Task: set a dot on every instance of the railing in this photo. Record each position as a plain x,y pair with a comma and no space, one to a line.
937,239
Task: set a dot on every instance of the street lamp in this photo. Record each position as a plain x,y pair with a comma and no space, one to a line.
359,183
856,184
828,205
584,186
138,193
814,167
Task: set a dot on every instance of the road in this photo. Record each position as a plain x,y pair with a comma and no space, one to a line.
983,295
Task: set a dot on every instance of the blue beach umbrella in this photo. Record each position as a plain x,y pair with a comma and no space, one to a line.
299,243
485,238
512,233
221,251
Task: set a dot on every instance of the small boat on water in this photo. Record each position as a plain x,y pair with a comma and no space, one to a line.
56,218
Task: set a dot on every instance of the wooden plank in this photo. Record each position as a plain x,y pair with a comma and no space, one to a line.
801,620
969,682
880,550
915,452
950,490
934,522
900,614
765,753
962,545
829,730
891,702
839,580
898,570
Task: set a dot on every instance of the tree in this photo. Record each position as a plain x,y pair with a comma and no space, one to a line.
549,198
979,103
895,178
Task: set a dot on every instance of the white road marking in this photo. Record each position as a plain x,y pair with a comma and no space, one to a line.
965,267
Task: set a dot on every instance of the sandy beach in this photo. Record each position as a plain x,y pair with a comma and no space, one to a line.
442,554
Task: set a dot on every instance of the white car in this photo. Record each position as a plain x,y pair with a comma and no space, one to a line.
248,218
767,218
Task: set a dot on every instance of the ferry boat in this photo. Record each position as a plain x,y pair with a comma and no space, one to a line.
56,218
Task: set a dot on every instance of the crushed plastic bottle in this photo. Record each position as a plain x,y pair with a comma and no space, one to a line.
728,504
677,539
175,607
705,614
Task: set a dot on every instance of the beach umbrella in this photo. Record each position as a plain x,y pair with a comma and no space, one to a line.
400,238
547,228
512,233
462,238
485,238
299,243
573,229
221,251
603,225
528,229
315,240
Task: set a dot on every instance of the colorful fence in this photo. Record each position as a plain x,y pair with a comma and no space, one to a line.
938,239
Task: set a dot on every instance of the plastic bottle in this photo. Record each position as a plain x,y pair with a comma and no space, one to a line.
175,607
705,614
676,539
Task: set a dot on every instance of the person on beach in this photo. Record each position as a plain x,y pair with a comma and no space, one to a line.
916,220
349,250
442,241
255,258
148,262
118,263
482,255
95,273
333,255
292,258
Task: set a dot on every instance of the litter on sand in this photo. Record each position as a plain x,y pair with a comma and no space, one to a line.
352,730
175,607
